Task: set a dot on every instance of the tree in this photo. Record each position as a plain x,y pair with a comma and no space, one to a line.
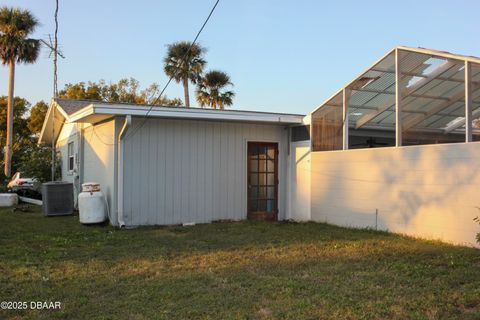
28,157
36,161
91,91
15,26
210,90
150,96
37,117
22,136
22,133
124,91
184,62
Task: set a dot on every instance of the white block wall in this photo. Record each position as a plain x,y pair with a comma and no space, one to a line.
428,191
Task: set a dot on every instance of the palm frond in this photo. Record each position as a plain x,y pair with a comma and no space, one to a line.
29,51
209,90
17,22
181,63
15,26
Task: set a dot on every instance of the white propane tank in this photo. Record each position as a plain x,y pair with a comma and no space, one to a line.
91,204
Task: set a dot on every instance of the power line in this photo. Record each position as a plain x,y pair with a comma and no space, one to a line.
101,139
175,72
166,85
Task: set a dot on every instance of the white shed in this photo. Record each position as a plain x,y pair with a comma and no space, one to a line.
177,165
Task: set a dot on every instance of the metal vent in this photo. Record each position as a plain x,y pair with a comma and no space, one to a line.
57,198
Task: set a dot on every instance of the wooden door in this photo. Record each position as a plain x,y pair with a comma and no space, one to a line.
262,181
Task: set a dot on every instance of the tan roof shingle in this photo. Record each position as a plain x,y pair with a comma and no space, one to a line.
71,106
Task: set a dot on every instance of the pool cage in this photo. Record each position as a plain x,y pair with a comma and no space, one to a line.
411,96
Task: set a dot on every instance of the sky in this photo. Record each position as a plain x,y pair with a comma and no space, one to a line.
282,56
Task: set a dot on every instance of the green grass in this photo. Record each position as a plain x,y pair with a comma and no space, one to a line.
242,270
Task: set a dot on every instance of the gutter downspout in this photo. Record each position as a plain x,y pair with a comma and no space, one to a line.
121,143
79,164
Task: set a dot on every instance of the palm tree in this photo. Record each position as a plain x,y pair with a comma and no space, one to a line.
184,62
15,26
209,90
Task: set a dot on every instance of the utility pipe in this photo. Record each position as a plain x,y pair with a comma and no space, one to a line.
121,143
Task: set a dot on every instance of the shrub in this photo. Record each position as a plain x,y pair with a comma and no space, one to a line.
477,220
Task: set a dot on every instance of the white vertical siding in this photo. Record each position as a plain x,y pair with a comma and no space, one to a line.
429,191
179,171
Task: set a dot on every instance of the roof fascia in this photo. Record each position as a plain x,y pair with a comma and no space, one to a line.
85,111
186,114
49,117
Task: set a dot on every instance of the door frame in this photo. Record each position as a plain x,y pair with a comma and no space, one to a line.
276,177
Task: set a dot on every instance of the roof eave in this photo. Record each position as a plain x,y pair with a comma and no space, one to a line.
85,114
82,113
46,135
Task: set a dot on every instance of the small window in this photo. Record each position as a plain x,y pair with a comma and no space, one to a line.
71,159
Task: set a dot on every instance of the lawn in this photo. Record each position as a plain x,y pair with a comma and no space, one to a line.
238,270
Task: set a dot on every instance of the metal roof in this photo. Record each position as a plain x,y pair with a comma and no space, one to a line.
432,83
90,111
96,111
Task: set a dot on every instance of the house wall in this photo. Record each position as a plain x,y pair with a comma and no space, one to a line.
95,158
430,191
178,171
69,133
98,159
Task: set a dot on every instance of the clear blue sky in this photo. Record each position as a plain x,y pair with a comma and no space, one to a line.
285,56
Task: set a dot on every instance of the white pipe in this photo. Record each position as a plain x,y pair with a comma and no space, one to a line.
30,200
78,165
121,143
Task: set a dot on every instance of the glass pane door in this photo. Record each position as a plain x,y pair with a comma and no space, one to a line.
262,180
